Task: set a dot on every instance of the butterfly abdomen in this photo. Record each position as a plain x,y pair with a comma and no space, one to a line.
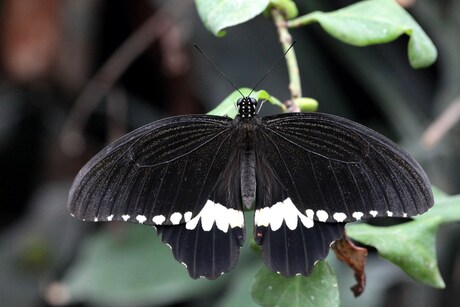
248,163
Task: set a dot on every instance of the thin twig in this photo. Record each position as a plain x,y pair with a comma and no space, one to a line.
71,138
117,105
436,131
285,39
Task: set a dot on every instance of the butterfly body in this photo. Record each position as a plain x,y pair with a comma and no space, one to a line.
304,174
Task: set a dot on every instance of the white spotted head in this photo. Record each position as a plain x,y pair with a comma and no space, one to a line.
246,107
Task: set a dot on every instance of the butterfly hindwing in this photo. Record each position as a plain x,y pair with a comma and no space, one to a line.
209,244
291,241
341,171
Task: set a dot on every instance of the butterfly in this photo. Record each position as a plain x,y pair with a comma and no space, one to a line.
305,175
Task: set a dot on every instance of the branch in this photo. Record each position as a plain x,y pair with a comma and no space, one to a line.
436,131
72,142
285,39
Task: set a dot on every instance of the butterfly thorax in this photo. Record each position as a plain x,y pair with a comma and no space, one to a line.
246,107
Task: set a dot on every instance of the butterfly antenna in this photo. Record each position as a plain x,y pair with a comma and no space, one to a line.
271,68
218,69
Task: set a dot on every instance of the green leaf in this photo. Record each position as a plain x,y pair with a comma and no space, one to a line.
264,95
228,106
306,104
318,289
219,14
375,22
438,194
414,251
446,208
131,267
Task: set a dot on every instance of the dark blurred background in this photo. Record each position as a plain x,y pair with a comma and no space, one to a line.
53,119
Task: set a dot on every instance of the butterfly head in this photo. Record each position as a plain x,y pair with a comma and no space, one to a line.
246,107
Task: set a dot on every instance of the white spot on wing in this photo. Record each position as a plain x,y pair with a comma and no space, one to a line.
357,215
221,217
389,213
322,215
404,214
95,219
292,213
158,219
373,213
261,217
187,216
110,217
310,213
277,215
339,216
281,211
236,218
141,219
213,213
175,218
72,215
207,216
125,217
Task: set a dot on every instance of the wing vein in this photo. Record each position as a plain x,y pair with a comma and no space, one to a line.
187,153
310,151
286,167
339,187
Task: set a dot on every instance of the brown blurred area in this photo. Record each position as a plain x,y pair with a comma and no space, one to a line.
50,50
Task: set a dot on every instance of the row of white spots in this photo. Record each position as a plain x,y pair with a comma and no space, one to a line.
286,211
226,217
216,213
282,211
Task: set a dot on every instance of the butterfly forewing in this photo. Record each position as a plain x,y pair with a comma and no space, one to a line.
340,171
160,174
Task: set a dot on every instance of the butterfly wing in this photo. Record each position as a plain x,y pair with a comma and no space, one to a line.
291,242
318,172
336,170
175,174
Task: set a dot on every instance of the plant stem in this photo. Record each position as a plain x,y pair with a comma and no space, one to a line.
291,60
301,21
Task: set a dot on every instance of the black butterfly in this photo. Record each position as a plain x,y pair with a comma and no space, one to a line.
305,175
